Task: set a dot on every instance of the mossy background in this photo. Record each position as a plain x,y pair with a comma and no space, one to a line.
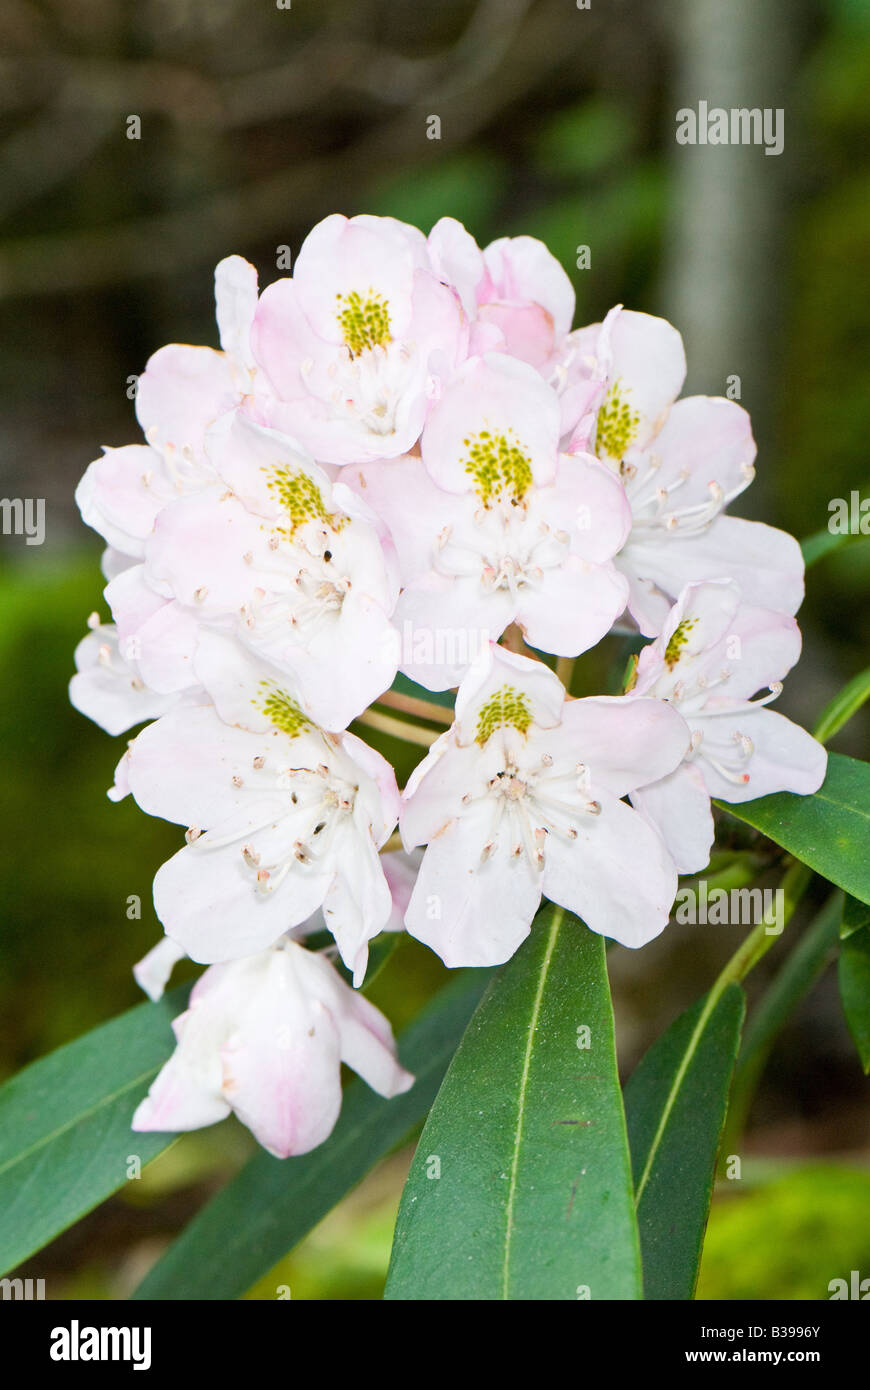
107,248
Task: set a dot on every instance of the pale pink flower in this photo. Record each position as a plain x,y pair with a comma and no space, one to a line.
184,389
521,301
713,656
181,392
282,819
493,526
161,631
355,345
152,972
681,462
285,561
521,797
265,1037
108,686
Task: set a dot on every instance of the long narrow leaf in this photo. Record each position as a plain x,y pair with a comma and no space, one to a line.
829,831
675,1102
855,916
521,1185
65,1137
854,980
792,983
845,703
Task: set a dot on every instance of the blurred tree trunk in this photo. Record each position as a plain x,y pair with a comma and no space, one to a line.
723,270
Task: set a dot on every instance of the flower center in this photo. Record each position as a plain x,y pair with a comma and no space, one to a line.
320,801
617,424
507,549
369,385
531,804
306,590
281,710
500,466
678,640
505,708
301,500
364,320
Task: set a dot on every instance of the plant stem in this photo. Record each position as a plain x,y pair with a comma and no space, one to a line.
512,640
750,951
565,670
412,704
794,884
814,951
398,728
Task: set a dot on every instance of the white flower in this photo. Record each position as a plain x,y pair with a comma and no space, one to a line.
494,526
282,819
712,657
522,798
265,1037
284,560
108,686
354,345
181,392
681,462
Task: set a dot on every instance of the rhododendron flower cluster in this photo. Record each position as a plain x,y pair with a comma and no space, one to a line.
404,459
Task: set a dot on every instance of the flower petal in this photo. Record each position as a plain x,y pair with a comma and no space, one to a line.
678,807
589,875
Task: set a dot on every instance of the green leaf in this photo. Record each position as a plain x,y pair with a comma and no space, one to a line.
822,543
792,982
273,1203
829,831
855,916
521,1185
65,1137
854,980
675,1102
844,704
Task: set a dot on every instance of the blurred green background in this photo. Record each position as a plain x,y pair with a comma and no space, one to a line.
555,121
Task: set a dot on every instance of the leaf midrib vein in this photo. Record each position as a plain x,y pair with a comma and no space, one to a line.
558,914
75,1120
